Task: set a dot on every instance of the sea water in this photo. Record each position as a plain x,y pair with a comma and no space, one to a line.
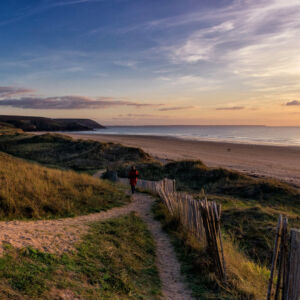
264,135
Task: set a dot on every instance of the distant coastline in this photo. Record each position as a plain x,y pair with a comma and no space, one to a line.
29,123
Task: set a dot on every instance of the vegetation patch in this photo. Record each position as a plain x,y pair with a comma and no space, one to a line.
61,151
252,224
251,206
246,279
115,260
194,176
9,129
28,190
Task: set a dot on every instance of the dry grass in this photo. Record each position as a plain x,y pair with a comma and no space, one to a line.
245,275
194,176
57,150
8,129
30,191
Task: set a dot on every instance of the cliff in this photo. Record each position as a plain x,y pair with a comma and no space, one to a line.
27,123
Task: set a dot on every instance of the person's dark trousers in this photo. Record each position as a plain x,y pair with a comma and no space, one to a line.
132,189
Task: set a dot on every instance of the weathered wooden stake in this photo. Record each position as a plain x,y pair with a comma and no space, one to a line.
275,256
292,291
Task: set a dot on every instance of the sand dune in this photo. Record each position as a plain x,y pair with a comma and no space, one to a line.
282,162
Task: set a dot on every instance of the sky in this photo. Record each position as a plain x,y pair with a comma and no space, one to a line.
141,62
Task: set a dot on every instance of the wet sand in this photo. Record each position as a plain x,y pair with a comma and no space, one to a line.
282,162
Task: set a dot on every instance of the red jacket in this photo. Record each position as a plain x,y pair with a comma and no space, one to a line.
133,175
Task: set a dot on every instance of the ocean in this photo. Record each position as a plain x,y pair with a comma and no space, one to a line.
262,135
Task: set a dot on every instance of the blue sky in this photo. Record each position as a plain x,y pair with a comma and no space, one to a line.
152,62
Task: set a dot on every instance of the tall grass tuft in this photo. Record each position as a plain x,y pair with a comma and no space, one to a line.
31,191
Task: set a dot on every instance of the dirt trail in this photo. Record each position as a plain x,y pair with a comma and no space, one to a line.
58,236
168,265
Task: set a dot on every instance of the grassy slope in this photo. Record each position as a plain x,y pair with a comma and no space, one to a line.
116,260
31,191
250,205
62,151
246,280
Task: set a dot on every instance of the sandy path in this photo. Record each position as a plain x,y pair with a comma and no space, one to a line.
173,287
58,236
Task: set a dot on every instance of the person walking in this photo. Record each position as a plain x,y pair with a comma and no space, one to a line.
133,177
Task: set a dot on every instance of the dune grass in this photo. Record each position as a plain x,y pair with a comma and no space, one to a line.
246,279
195,176
57,150
252,224
8,129
29,190
115,260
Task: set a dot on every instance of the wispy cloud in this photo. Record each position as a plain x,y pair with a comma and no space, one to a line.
176,108
255,41
136,116
231,108
42,7
69,102
14,97
293,103
126,63
9,91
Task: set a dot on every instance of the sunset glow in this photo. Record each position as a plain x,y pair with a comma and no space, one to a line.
141,62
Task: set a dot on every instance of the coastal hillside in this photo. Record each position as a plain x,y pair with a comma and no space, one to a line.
61,151
29,190
28,123
250,205
9,129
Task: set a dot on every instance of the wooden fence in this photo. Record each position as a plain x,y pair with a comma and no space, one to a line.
285,266
152,186
199,217
202,218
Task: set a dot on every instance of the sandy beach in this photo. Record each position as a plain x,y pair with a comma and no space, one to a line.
282,162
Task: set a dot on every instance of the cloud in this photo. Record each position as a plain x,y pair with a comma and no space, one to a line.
176,108
69,102
128,64
136,116
255,42
231,108
44,6
292,103
9,91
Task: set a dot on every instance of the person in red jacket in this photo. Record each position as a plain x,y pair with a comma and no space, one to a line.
133,177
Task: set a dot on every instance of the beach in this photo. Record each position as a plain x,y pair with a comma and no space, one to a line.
281,162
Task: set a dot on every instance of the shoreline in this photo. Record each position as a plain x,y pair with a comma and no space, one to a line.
281,162
103,135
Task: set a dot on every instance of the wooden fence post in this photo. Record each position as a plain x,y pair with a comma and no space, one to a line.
274,257
292,291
